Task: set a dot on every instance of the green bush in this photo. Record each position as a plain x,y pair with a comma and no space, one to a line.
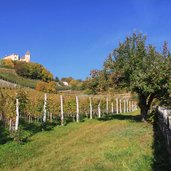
20,136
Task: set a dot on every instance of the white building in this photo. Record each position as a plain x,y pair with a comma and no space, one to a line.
26,57
16,57
65,83
13,57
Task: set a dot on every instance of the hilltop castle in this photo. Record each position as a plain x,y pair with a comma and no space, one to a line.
15,57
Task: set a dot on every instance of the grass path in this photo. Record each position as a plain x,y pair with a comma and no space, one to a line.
120,143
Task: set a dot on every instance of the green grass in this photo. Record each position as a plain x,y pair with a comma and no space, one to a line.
11,76
116,143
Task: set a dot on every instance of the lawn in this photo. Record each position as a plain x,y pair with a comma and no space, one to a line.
118,142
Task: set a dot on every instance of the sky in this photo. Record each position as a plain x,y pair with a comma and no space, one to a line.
72,37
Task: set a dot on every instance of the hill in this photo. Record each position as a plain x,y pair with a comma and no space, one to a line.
25,74
11,76
118,142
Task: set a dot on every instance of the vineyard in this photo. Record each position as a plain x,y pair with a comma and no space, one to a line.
33,106
108,126
11,76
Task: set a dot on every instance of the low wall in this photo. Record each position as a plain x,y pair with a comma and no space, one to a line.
7,84
164,122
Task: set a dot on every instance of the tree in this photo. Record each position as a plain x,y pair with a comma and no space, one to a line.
67,79
98,82
140,69
7,63
7,106
41,86
76,84
33,71
52,87
23,100
56,79
103,81
46,75
22,69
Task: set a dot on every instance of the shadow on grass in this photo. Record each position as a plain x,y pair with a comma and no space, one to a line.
161,155
107,117
72,119
26,130
4,134
36,127
30,129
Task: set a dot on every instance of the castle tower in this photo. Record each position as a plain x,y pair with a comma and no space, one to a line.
27,56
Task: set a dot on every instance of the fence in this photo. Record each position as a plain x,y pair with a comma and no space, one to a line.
164,116
164,122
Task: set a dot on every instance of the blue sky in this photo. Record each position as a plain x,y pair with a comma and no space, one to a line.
71,37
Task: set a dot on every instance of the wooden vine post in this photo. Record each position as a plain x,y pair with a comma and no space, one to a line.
77,110
99,111
112,110
117,111
120,105
51,117
124,106
107,105
44,108
62,111
91,108
132,106
136,107
17,115
10,124
127,105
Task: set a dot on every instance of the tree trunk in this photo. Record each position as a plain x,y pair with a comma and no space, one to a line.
144,112
145,104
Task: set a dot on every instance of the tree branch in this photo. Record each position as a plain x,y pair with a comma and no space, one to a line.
150,99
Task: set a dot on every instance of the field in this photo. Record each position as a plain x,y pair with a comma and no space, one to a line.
118,142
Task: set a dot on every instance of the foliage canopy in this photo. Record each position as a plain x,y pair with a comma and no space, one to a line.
140,68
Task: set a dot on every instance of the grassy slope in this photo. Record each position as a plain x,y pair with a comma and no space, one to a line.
119,144
11,76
